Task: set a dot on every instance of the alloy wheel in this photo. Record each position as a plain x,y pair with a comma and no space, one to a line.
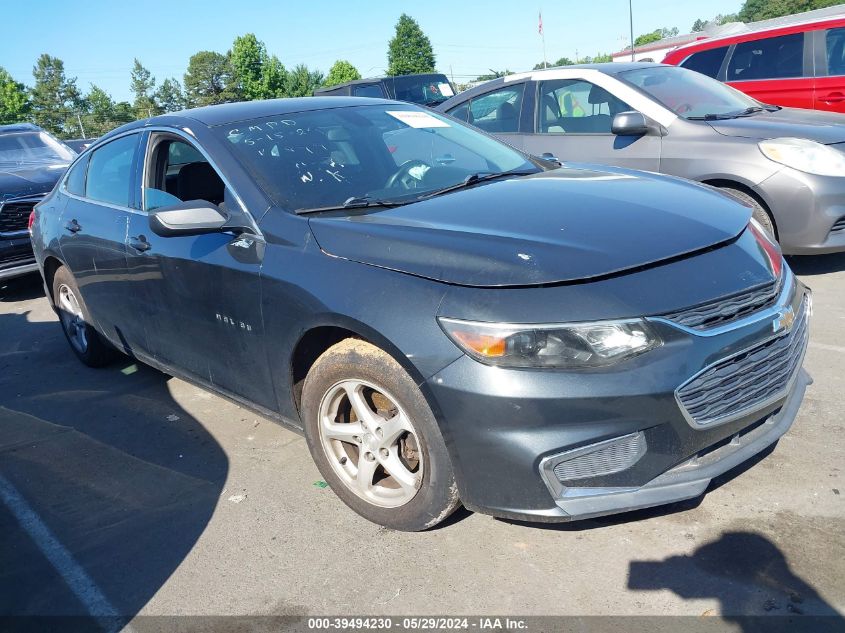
72,320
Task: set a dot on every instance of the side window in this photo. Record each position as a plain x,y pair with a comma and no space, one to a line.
770,58
460,112
178,172
75,181
835,45
369,90
575,106
706,62
497,111
110,171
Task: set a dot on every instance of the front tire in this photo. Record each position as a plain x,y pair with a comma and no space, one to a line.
758,212
84,340
375,440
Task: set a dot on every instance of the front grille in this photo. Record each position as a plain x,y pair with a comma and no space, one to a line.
604,458
747,381
839,225
727,309
14,216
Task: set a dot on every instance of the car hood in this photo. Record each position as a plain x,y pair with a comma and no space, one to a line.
568,224
824,127
25,180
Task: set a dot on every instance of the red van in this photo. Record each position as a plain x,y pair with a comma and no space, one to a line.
800,65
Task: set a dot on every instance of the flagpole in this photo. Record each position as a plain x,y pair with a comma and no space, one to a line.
543,38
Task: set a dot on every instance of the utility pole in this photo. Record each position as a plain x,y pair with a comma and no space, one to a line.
631,22
81,129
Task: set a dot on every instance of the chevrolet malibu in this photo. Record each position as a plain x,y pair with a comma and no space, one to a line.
446,319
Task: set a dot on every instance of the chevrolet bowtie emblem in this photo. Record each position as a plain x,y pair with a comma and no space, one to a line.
783,322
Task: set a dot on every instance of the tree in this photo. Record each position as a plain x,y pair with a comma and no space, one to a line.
755,10
169,96
209,80
102,114
341,72
563,61
273,78
55,99
301,82
494,74
142,85
14,100
658,34
410,50
698,25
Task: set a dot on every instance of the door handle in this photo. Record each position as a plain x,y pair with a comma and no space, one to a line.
834,97
73,226
140,243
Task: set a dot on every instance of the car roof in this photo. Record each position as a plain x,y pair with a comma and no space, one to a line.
226,113
19,127
371,80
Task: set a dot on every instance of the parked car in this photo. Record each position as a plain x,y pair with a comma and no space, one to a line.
786,164
424,89
31,162
79,145
798,66
446,319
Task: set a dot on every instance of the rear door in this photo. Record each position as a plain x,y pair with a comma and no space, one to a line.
573,123
829,89
94,221
777,69
198,296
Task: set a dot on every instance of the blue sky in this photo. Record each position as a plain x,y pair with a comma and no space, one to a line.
98,39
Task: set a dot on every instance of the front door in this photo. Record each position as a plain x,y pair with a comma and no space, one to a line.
198,296
573,123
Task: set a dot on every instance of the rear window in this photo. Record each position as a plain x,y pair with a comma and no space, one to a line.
370,90
771,58
706,62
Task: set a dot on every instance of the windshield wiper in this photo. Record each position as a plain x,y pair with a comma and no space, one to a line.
728,115
355,202
474,179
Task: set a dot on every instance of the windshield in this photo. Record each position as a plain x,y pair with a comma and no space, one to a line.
688,93
428,90
364,154
31,148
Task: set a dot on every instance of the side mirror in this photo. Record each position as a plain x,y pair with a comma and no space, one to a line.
194,217
629,124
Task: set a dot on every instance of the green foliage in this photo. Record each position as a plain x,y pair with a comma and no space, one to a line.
302,82
658,34
409,51
494,74
101,114
54,97
755,10
698,26
209,80
14,100
563,61
601,58
256,75
169,96
142,85
341,72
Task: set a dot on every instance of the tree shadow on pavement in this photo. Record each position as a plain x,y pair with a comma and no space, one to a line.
123,477
749,576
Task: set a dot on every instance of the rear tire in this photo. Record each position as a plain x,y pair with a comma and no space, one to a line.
84,340
375,440
759,213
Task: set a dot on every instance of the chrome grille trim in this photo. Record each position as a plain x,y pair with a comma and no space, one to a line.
14,215
728,309
752,379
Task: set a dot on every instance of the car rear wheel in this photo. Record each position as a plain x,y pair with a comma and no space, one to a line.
84,340
375,439
759,213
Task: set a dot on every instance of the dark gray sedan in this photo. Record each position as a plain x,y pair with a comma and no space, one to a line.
788,164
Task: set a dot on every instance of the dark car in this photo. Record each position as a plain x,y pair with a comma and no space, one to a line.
788,164
31,162
79,145
428,89
446,319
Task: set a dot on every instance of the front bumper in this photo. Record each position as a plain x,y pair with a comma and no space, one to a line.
16,256
808,211
507,430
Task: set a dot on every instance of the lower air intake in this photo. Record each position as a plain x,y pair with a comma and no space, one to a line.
603,458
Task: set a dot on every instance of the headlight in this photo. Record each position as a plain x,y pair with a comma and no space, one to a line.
804,155
578,345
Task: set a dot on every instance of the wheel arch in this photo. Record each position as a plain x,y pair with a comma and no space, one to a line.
51,264
726,183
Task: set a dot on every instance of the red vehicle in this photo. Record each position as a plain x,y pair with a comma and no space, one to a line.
799,65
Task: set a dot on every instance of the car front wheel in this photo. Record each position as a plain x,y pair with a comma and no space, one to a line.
375,439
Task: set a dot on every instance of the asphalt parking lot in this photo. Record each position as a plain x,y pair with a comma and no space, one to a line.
173,501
